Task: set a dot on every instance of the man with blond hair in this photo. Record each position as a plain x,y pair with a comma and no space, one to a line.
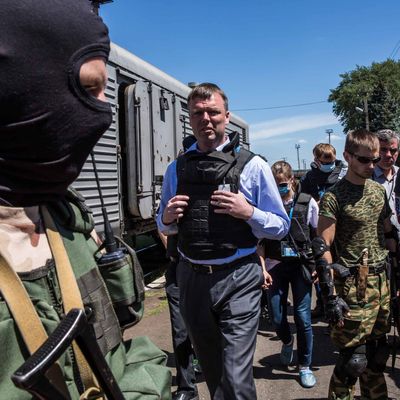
354,235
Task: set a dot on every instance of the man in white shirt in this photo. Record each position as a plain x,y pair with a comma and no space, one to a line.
385,172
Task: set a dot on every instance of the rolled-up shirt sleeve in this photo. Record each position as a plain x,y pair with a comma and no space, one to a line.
168,191
269,219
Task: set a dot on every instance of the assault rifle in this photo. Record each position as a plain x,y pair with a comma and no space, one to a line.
31,376
395,302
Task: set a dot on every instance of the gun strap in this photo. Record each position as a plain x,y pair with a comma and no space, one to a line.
27,319
70,293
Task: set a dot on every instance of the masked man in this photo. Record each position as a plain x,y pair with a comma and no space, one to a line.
52,112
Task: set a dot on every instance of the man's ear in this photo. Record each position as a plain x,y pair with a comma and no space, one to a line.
346,156
227,117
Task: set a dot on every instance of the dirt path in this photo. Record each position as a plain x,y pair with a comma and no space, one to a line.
272,381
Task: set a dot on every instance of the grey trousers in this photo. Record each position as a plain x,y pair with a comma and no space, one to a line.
221,312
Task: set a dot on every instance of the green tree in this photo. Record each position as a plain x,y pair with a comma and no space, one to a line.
375,88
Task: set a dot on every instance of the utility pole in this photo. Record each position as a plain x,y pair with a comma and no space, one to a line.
297,146
304,163
97,3
365,100
284,159
329,133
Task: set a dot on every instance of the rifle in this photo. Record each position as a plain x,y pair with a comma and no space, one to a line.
31,376
395,303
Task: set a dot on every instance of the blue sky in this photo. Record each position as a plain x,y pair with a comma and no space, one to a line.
263,53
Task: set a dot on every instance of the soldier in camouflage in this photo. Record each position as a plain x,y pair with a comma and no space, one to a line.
354,235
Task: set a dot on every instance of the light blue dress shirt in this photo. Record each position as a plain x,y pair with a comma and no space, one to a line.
269,219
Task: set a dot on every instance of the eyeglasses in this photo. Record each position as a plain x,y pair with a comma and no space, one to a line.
384,150
365,160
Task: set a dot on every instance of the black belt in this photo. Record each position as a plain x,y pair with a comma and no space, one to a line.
212,268
372,269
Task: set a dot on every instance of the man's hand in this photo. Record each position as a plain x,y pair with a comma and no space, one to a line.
335,310
175,209
234,204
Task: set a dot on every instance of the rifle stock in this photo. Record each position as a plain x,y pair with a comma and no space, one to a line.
31,376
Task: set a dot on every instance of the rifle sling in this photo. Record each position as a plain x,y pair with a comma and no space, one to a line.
27,319
70,293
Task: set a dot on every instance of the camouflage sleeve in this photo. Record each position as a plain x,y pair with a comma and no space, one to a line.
329,207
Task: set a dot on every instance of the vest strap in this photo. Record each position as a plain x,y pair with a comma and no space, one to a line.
69,290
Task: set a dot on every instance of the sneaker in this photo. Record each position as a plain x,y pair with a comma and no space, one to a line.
182,395
307,378
196,366
287,353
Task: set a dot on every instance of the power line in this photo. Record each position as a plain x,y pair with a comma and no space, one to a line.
395,50
275,107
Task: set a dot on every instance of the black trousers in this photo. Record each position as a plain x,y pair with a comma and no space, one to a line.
221,312
183,351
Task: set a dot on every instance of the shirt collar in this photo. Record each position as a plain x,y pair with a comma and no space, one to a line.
378,171
219,148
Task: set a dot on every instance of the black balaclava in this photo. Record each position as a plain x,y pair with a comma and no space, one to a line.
48,122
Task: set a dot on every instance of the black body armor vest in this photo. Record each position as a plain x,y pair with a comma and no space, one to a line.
299,229
203,234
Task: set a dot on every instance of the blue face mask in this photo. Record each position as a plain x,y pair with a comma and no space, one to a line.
283,190
327,167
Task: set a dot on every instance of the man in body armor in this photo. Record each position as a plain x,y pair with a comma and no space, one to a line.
354,234
53,110
221,199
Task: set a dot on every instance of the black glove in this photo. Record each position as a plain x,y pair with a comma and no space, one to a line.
335,309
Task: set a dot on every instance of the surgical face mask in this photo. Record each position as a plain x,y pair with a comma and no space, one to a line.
283,188
327,167
48,121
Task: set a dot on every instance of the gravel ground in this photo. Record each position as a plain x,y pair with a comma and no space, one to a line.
273,382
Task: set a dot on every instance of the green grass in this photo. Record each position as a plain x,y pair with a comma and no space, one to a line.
158,309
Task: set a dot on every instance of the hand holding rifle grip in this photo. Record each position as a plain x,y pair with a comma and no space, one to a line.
31,375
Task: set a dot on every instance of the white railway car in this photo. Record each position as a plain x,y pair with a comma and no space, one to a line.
150,119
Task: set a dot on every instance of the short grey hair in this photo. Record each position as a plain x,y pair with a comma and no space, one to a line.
386,135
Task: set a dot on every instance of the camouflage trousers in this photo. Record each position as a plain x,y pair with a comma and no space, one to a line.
369,321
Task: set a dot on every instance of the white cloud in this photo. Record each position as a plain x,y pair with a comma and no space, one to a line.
283,126
302,141
337,137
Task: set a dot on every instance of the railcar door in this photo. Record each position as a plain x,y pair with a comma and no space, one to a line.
151,144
